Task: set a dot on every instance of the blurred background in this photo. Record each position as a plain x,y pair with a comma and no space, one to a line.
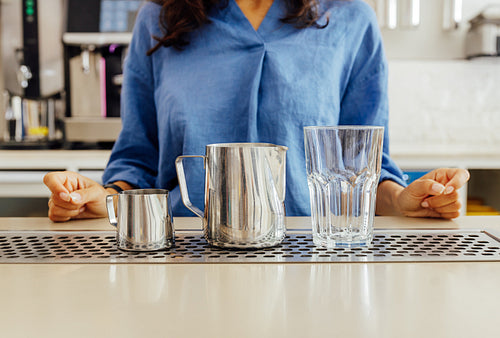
61,73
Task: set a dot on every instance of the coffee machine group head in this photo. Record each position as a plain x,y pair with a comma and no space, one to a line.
95,42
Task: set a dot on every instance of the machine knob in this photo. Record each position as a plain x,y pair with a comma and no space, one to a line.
24,75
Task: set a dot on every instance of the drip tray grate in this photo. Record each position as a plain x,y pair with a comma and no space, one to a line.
191,247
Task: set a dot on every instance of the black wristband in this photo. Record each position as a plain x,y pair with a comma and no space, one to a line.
113,186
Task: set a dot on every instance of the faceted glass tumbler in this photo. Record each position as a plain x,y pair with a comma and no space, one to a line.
343,169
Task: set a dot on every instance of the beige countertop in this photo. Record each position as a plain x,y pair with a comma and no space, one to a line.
453,299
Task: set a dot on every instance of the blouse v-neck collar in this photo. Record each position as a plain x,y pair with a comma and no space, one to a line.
232,13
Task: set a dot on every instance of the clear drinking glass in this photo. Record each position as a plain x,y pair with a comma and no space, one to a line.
343,169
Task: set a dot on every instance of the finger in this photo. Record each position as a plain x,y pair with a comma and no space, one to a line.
450,215
450,208
57,211
438,201
56,218
56,182
88,215
457,180
447,208
422,188
454,177
89,195
78,198
65,206
56,201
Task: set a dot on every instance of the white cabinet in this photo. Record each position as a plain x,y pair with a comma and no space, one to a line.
21,172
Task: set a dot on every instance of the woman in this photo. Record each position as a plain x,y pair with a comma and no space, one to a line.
248,71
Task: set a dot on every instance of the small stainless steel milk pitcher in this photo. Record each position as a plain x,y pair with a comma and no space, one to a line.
143,219
244,194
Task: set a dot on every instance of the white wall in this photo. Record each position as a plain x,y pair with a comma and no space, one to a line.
445,107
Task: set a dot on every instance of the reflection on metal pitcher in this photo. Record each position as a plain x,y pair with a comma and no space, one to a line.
143,219
244,194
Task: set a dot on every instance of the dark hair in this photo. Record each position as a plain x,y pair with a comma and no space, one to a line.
178,18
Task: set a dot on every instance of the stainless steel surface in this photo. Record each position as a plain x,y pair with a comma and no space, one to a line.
96,39
85,75
49,54
94,89
244,194
297,247
143,219
96,129
11,31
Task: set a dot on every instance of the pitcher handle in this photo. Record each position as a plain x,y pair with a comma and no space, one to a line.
110,205
183,185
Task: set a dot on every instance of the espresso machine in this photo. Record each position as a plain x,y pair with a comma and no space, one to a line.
32,56
95,43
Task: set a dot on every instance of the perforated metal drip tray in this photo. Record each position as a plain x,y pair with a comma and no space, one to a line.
191,247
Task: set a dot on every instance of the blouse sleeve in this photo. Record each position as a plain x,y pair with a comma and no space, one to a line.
365,100
134,157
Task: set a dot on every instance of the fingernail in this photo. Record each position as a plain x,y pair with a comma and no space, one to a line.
75,197
64,196
449,189
425,204
82,209
438,188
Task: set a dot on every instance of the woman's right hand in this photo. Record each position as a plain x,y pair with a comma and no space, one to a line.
74,196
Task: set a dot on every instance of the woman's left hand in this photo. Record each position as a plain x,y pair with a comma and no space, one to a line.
434,194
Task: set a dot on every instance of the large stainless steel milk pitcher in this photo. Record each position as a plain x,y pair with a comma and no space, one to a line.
244,194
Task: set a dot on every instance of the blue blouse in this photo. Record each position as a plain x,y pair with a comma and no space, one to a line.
235,84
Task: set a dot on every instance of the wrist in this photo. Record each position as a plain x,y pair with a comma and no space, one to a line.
396,193
388,198
118,186
110,187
